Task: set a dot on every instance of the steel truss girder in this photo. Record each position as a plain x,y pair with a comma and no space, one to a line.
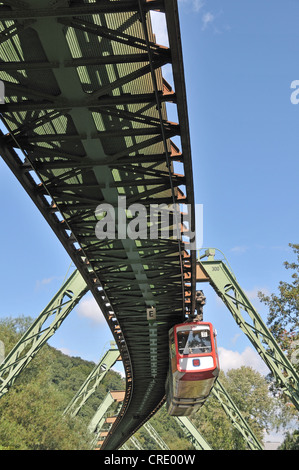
153,433
38,334
98,420
227,287
103,6
92,382
103,102
192,433
136,443
77,123
61,229
116,36
96,425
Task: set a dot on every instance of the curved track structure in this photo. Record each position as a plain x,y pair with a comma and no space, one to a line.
86,125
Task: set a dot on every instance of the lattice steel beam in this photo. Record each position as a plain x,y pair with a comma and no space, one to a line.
227,287
65,111
98,419
103,6
235,416
153,433
92,382
192,433
38,334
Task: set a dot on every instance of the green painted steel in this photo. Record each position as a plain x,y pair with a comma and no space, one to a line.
235,416
136,443
85,106
92,382
232,412
98,419
42,330
153,433
227,287
192,433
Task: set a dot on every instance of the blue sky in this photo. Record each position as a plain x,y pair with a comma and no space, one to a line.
240,59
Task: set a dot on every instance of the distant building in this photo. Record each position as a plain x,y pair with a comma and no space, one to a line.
271,445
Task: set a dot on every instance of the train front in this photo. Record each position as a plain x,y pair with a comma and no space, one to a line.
194,366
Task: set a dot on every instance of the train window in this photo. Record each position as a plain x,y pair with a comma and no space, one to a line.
172,347
194,341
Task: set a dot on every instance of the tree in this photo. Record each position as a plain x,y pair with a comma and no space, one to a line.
30,419
31,413
283,318
291,441
249,391
283,322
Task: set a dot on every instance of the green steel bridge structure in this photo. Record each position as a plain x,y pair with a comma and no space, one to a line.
85,128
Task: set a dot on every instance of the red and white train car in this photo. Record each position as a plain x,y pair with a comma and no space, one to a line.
194,366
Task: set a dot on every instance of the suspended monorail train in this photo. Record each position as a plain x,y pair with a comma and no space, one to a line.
193,366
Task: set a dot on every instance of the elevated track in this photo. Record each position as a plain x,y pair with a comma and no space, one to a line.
85,124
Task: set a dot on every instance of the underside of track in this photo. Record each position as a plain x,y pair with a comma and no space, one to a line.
86,120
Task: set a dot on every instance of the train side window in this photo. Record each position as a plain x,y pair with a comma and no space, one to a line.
172,347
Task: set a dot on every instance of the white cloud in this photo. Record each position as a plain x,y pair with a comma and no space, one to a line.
89,309
236,337
207,19
252,293
195,4
44,282
233,360
239,249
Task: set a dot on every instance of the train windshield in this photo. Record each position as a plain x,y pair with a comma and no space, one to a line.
194,341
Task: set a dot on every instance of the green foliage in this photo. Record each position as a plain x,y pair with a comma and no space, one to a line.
283,318
31,412
291,441
249,391
283,322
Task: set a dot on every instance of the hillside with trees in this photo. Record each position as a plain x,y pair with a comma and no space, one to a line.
31,413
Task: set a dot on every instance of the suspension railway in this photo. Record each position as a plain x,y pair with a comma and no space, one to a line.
85,123
86,117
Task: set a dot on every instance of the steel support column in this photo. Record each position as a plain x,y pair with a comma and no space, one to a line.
38,334
153,433
192,433
227,287
235,416
92,382
98,419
